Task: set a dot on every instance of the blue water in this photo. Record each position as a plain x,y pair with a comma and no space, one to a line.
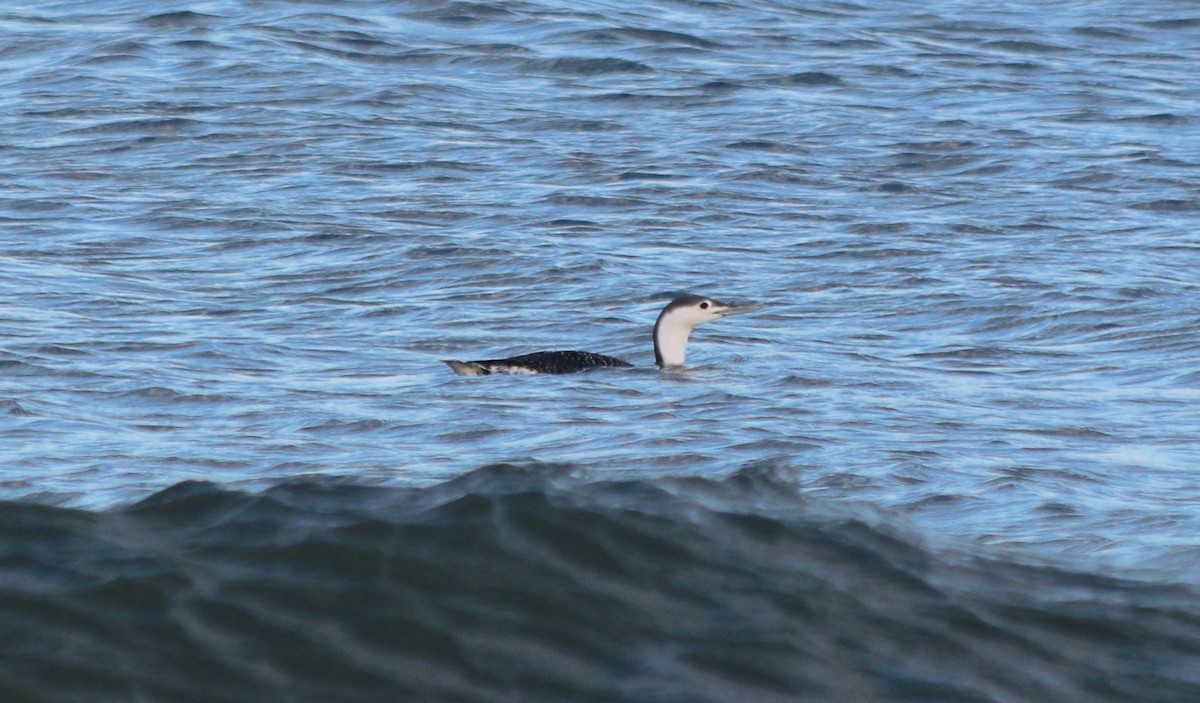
237,239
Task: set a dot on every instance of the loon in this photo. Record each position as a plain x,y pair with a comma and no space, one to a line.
671,331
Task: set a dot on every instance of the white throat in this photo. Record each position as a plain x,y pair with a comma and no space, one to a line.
671,338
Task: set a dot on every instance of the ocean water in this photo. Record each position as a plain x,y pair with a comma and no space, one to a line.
954,457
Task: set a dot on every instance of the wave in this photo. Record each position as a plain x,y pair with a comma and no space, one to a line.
547,582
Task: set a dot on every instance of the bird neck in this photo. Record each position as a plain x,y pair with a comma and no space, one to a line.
670,341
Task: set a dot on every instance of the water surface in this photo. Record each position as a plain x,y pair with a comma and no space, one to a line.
236,240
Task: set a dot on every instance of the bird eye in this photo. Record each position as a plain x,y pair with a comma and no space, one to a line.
704,305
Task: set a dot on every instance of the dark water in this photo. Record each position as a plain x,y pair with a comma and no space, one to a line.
544,583
237,238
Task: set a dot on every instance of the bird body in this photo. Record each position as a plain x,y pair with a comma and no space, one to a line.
538,362
671,332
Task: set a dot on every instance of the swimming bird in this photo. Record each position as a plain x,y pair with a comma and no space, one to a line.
671,331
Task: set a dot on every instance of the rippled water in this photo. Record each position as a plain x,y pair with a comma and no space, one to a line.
548,583
236,239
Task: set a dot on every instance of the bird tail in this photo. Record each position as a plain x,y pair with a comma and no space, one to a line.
466,368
